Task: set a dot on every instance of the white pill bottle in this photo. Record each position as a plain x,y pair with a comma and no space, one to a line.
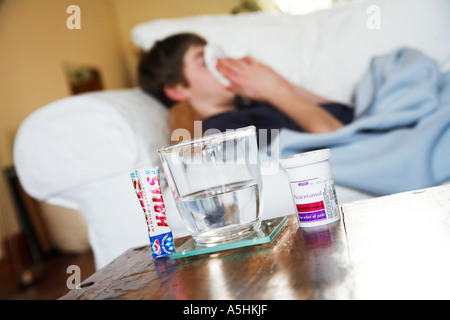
312,187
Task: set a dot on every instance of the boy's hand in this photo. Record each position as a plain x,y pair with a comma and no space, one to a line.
252,79
256,81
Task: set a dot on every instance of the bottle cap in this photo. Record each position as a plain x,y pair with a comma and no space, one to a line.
305,158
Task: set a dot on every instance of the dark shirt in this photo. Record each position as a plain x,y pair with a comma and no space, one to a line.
264,116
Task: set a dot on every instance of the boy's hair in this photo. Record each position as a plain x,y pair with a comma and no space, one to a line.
163,64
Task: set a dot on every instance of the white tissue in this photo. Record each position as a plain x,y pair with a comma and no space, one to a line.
213,52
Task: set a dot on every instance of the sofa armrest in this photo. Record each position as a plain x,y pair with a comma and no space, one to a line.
88,137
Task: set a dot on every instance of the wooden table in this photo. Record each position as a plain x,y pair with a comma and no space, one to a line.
392,247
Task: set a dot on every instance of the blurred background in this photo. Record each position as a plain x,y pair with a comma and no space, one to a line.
42,60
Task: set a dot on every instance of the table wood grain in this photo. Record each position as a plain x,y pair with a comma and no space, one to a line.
393,247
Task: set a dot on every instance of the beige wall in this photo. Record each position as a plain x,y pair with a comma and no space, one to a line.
35,44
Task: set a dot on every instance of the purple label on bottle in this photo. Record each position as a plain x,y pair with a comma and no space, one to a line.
312,216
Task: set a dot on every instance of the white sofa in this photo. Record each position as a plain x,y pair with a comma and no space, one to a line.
78,152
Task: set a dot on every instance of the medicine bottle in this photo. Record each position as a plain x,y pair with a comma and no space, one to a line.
312,187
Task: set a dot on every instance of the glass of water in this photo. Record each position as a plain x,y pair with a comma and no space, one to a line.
216,184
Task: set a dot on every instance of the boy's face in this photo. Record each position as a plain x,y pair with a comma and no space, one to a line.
203,88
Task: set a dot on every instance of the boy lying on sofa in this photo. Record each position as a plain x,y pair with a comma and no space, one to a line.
174,71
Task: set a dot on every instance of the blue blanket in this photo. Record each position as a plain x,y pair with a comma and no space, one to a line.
400,139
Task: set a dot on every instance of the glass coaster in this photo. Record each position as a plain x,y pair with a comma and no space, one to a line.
269,229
